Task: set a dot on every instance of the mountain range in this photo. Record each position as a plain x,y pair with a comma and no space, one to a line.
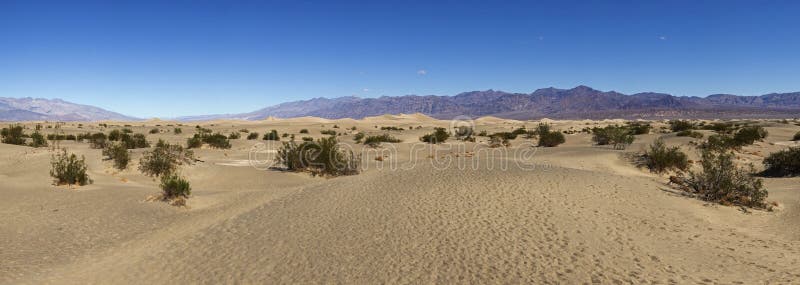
581,102
38,109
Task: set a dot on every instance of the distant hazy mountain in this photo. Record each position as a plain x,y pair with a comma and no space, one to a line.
581,102
35,109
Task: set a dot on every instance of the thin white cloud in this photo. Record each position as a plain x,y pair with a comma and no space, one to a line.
663,38
422,72
365,90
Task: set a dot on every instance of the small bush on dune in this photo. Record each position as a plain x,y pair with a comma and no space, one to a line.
174,186
119,154
358,137
177,131
392,128
464,133
659,158
194,142
37,140
252,136
304,131
307,139
272,136
639,128
619,137
749,135
68,169
498,141
321,157
720,180
234,136
375,141
796,137
439,135
13,135
135,141
719,143
783,163
548,138
328,132
164,159
722,128
114,135
689,133
98,140
154,131
680,125
217,141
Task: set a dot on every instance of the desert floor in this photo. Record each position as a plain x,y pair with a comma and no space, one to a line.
576,213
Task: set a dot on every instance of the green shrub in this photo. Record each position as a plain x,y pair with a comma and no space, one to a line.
504,135
660,158
464,133
37,140
322,157
439,135
392,128
749,135
498,141
177,131
680,125
118,153
722,128
272,136
114,135
619,137
244,131
307,139
154,131
127,130
164,159
217,141
304,131
375,141
720,180
690,133
551,139
13,135
234,136
68,169
194,142
639,128
252,136
358,137
98,141
174,186
329,132
135,141
783,163
796,137
483,133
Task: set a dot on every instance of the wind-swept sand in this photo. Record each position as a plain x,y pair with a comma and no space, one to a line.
582,214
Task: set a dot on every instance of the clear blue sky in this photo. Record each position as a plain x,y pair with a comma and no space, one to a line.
172,58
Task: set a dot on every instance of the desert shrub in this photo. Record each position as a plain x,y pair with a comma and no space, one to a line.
134,141
358,137
375,141
244,131
114,135
783,163
37,140
194,142
177,131
722,128
796,137
272,136
174,186
304,131
68,169
322,157
234,136
307,139
464,133
328,132
98,140
619,137
217,141
719,142
127,130
154,131
504,135
551,139
720,180
118,153
70,137
498,141
164,159
252,136
391,128
680,125
13,135
639,128
690,133
439,135
285,135
483,133
519,131
749,135
335,126
660,158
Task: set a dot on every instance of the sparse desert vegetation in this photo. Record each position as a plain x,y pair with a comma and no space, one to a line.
322,157
68,169
439,135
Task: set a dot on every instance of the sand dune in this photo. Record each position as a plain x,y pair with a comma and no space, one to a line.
582,214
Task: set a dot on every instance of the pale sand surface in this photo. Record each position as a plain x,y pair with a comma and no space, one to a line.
584,214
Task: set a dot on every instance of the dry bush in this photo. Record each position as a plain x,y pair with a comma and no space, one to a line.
439,135
13,135
174,186
375,141
619,137
68,169
164,159
659,158
119,154
783,163
321,157
720,180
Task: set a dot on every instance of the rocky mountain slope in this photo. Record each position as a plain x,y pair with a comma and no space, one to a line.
35,109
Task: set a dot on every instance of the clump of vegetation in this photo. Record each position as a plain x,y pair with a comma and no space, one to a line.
174,186
119,154
680,125
722,128
439,135
358,137
464,133
639,128
498,141
720,180
244,131
68,169
37,140
659,158
307,139
783,163
619,137
375,141
321,157
391,128
98,141
796,137
135,141
234,136
13,135
177,131
272,136
690,133
217,141
252,136
304,131
194,142
164,159
749,135
154,131
329,132
548,138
